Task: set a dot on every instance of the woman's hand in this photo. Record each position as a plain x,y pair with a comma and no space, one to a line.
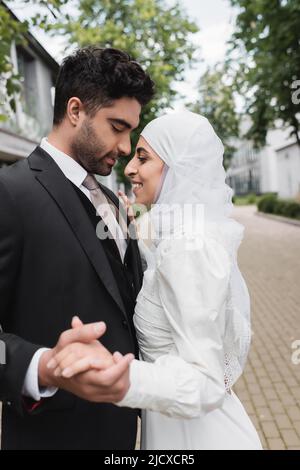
128,206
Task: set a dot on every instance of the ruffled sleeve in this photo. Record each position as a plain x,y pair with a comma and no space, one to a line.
193,279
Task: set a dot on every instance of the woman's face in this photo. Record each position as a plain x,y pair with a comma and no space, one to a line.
144,171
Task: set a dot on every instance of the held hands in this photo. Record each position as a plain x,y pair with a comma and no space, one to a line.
80,364
77,357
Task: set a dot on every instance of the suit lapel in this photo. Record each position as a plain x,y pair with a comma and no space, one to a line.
54,181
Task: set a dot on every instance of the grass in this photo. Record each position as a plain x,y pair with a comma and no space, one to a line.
248,199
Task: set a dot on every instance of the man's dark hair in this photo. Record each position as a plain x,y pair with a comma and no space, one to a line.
98,76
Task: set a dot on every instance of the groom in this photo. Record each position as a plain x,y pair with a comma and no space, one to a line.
53,266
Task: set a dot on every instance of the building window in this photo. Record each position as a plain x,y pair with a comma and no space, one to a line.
27,69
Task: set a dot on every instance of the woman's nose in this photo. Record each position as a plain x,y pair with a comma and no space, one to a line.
130,169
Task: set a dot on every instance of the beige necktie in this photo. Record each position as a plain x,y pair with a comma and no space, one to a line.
104,209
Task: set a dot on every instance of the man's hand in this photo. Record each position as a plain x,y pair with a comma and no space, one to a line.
84,334
109,385
78,357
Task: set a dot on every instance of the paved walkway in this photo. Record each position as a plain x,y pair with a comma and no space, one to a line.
269,258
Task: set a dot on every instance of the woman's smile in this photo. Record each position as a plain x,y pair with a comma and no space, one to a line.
144,171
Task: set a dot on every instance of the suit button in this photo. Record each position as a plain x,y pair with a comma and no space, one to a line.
125,324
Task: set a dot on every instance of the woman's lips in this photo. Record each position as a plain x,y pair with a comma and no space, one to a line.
136,187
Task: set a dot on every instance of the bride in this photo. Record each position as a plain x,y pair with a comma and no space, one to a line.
192,315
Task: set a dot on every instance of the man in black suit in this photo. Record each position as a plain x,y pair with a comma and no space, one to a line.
53,266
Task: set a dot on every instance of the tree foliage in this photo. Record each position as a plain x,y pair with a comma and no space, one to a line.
10,30
216,102
266,52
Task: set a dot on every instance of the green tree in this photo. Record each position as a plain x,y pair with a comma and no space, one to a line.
149,30
10,30
216,102
266,45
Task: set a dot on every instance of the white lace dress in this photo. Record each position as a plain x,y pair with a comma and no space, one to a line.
180,321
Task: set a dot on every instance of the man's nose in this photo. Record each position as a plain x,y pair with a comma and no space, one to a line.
124,146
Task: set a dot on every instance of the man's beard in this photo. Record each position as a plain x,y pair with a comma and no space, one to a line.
89,151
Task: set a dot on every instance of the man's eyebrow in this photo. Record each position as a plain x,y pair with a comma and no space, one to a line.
122,122
142,149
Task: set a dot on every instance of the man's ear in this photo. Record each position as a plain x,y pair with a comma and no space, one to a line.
74,109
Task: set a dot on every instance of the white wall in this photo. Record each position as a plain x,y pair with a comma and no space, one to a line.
267,162
288,160
268,170
44,98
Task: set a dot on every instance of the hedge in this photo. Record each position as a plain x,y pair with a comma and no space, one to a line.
272,205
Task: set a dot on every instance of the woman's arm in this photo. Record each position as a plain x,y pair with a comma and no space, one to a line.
193,278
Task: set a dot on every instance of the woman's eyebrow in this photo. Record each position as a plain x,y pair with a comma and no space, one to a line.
142,149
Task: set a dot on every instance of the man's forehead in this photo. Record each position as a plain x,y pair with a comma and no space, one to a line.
127,112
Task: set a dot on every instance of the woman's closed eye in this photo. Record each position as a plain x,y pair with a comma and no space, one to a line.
142,159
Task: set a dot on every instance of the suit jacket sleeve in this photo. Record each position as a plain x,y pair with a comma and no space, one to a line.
16,353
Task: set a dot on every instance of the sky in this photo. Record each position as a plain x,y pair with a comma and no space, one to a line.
215,20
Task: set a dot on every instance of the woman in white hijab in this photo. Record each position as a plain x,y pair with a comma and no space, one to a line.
192,315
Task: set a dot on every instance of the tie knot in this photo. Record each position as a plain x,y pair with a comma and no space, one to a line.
90,183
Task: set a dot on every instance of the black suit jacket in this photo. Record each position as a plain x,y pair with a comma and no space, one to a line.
53,266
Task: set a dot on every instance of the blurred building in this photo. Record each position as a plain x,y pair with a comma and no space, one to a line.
288,161
252,170
23,130
274,168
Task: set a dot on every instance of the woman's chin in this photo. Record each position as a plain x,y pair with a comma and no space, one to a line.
139,199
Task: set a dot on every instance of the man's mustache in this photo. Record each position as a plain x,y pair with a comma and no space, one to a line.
114,155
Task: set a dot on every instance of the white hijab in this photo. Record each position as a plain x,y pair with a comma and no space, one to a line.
194,174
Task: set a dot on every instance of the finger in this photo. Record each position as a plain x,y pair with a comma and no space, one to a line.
84,334
110,376
59,366
57,372
76,322
131,214
66,362
124,199
117,357
59,357
82,365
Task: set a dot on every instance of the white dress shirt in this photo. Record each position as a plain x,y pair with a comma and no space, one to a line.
76,174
